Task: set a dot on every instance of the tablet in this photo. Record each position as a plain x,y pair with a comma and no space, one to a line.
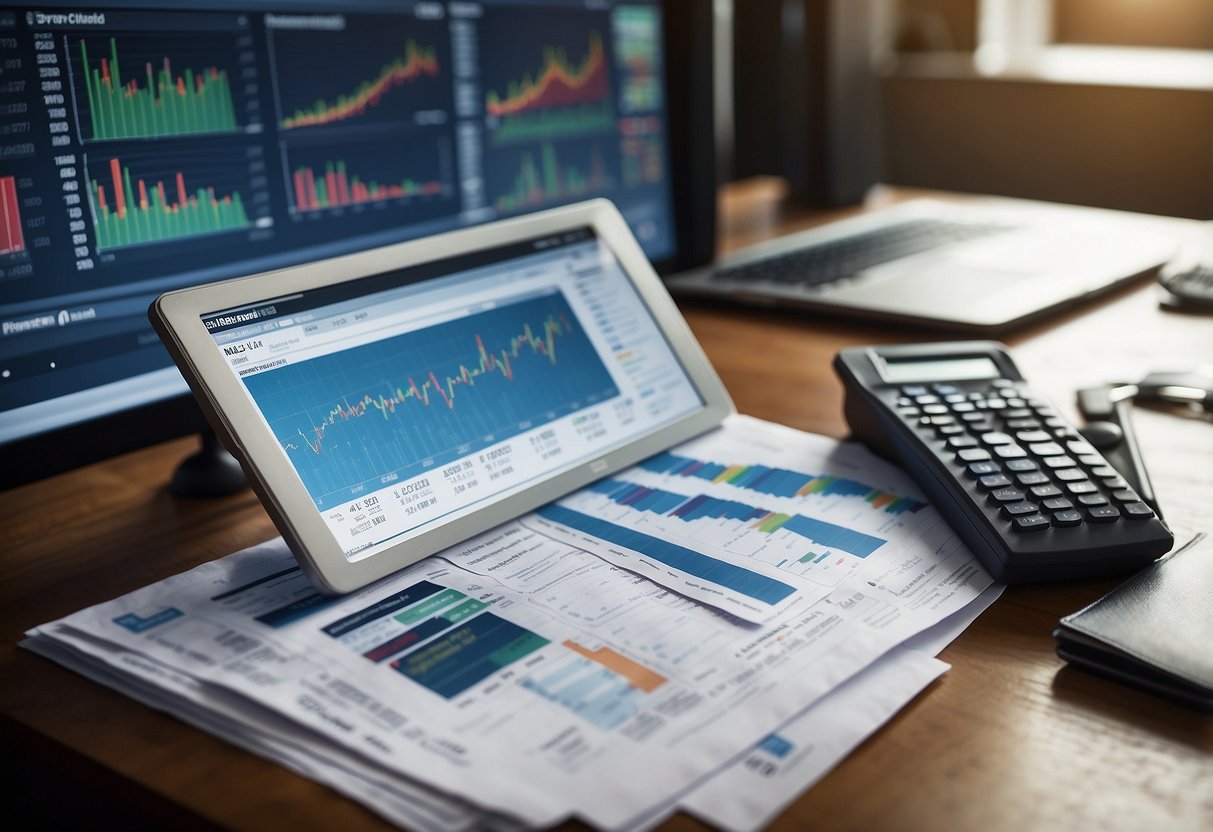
388,404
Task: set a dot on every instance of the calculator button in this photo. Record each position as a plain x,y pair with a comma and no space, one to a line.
1069,475
1116,482
1046,449
1059,462
963,407
958,442
1055,422
1018,405
1103,514
996,438
1090,459
994,481
934,409
1011,451
904,401
1006,495
954,398
995,403
972,455
945,389
1042,491
1001,383
1077,446
914,390
1092,499
981,469
1021,465
926,398
1030,523
1034,436
1067,517
909,412
1018,509
949,430
1105,471
982,424
1057,504
974,417
1022,424
1031,478
1125,495
941,420
1083,487
1138,510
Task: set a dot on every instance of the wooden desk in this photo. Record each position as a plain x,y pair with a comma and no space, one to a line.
1008,739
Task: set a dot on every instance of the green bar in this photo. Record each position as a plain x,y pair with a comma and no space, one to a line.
465,610
428,606
773,523
516,649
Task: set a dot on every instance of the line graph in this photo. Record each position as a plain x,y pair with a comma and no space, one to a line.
416,62
558,83
374,71
409,403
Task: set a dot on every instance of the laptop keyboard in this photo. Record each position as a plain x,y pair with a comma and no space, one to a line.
830,260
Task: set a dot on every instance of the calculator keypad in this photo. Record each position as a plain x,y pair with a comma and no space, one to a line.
1034,470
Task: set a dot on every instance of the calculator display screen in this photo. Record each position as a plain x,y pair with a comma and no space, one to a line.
900,371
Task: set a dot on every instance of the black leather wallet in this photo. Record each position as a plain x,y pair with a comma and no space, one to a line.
1155,630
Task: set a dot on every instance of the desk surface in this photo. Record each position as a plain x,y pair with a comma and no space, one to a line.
1009,738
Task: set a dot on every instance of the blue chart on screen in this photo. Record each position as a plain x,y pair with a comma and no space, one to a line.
404,405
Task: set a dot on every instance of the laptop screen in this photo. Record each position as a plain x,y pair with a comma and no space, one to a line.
416,396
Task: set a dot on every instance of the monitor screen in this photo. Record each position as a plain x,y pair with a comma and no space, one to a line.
145,148
414,397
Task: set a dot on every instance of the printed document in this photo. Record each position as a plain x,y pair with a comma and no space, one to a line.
520,651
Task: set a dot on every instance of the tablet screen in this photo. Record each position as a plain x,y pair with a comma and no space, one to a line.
413,397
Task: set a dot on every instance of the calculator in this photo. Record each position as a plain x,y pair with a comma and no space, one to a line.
1016,481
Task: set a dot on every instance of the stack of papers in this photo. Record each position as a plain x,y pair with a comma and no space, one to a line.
711,631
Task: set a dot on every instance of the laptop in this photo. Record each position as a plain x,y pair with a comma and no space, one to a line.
978,268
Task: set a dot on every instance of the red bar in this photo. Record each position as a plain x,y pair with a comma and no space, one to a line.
300,192
181,197
12,240
142,195
119,196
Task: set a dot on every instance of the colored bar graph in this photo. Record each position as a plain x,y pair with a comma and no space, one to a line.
12,240
744,581
336,187
165,105
704,506
131,213
780,482
469,654
551,181
638,676
417,62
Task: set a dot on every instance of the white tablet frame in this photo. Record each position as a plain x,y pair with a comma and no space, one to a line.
177,317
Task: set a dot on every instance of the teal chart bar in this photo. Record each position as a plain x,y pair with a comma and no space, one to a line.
744,581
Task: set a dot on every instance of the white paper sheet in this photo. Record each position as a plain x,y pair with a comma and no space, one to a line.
518,652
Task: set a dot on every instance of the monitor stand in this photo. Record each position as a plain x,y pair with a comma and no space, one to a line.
212,472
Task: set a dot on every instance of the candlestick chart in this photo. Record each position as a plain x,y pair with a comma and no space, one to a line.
403,405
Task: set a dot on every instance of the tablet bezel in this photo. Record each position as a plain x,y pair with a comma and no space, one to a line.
177,317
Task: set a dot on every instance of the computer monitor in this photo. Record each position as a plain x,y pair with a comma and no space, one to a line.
150,146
